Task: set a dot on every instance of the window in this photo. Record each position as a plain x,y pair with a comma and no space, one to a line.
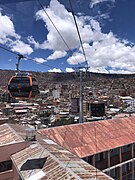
124,168
114,152
112,173
102,155
126,148
97,157
129,145
129,165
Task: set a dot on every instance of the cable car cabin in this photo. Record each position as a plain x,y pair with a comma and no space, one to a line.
23,86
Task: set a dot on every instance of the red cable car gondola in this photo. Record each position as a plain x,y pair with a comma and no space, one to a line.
23,86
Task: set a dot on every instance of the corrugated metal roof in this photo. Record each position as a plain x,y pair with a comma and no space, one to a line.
71,162
49,170
8,135
59,163
93,137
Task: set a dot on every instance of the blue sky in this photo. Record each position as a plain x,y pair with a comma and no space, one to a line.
106,27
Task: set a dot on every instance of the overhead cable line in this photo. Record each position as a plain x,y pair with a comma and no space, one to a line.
78,33
9,50
25,57
57,29
39,62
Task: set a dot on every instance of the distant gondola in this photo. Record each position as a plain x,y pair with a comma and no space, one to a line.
23,86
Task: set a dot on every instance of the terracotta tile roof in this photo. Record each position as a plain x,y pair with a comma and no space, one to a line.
93,137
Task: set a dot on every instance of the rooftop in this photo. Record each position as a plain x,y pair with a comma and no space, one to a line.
48,160
37,162
8,135
93,137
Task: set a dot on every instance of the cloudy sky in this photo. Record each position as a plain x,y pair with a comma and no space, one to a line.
107,30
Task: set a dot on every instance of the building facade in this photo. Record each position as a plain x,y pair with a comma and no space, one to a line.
108,145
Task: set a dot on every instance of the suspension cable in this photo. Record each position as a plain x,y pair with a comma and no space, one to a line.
57,29
25,57
78,33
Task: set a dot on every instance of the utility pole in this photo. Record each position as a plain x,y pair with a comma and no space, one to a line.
81,99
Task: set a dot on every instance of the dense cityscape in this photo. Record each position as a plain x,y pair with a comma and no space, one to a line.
106,99
67,94
58,100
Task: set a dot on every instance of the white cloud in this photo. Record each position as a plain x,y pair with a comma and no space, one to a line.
112,71
55,70
70,70
66,26
9,37
106,51
102,50
31,40
98,70
76,58
6,29
40,60
102,14
57,54
95,2
21,47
